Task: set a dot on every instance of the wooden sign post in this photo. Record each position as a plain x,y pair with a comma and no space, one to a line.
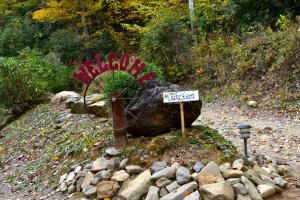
181,97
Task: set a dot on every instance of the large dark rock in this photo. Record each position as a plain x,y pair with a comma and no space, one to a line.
148,115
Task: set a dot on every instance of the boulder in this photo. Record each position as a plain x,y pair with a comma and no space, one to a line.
64,96
193,196
221,190
210,174
251,189
168,172
148,115
134,189
152,193
107,189
181,192
94,104
183,175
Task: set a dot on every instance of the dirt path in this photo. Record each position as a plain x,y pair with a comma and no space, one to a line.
274,134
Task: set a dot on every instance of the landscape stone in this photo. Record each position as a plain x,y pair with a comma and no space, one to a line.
183,175
253,176
120,176
210,174
63,96
238,164
77,169
90,191
70,179
113,163
158,165
198,166
172,186
233,181
71,189
163,192
152,193
266,190
225,166
112,151
63,187
134,189
63,178
193,196
107,189
103,175
87,180
78,184
181,192
150,116
239,189
123,163
251,189
95,181
133,169
168,172
266,179
280,182
100,164
162,182
243,197
221,190
231,173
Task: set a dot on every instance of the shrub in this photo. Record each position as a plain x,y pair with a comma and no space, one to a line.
168,44
24,79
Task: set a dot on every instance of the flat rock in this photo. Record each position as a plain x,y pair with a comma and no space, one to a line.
87,180
133,169
100,164
120,176
193,196
231,173
224,167
239,189
221,190
198,166
112,151
210,174
251,189
266,190
183,175
107,189
172,186
152,193
168,172
157,166
162,182
181,192
134,189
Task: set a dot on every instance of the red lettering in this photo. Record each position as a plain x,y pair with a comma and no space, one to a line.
124,62
82,75
91,69
138,65
113,55
146,77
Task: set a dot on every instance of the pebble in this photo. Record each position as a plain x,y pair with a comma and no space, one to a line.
280,182
63,178
70,179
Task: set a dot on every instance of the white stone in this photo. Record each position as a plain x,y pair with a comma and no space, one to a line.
123,163
77,169
63,178
172,186
120,176
157,166
112,151
153,193
224,167
280,182
134,189
183,175
87,180
238,164
168,172
252,104
100,164
266,190
221,190
181,192
70,179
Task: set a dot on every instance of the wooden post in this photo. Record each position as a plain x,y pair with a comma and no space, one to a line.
182,119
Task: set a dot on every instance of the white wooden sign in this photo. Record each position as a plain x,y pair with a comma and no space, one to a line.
181,96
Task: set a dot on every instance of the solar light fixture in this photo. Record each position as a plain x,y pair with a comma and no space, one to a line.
245,134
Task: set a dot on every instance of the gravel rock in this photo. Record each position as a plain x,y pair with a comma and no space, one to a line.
183,175
243,197
63,187
231,173
210,174
120,176
239,189
168,172
251,189
107,189
221,190
162,182
95,181
103,175
181,192
152,193
137,187
87,180
78,184
100,164
133,169
253,176
194,176
172,186
266,190
112,151
198,166
157,166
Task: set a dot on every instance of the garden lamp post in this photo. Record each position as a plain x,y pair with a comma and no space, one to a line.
245,134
